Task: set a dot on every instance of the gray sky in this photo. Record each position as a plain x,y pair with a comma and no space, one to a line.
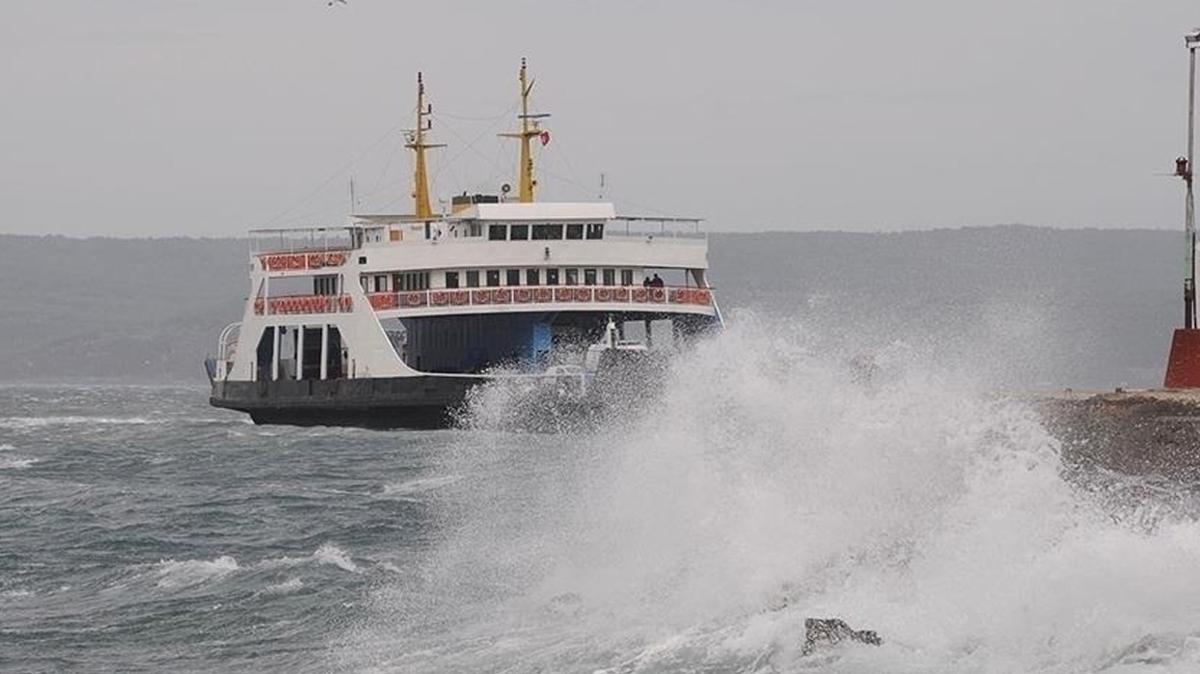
207,117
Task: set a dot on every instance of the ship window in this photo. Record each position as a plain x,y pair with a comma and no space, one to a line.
574,231
547,232
533,277
572,277
512,277
475,229
551,277
518,232
595,230
325,285
493,278
626,277
381,283
610,277
451,279
589,277
410,281
497,232
473,278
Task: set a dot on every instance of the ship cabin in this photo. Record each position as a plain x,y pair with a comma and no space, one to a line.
491,284
497,281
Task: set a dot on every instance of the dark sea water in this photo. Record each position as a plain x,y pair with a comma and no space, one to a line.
141,530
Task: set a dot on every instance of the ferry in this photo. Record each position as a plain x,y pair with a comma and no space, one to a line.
392,320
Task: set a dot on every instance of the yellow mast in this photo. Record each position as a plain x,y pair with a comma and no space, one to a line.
530,129
416,143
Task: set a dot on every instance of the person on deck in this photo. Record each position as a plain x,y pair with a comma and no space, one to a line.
656,282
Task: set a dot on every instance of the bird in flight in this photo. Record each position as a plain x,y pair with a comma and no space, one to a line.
334,2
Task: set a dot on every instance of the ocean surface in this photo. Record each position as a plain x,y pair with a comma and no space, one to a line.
141,530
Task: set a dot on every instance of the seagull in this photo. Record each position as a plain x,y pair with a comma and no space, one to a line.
333,2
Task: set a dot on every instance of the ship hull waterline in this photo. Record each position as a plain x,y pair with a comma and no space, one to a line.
424,401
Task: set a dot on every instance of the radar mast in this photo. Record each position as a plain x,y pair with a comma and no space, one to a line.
530,129
416,143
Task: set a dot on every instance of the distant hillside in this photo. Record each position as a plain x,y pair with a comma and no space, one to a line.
1088,308
1029,306
129,309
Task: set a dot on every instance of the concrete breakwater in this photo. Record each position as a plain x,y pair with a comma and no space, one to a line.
1137,432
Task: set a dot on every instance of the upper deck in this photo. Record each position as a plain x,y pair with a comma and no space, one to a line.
495,234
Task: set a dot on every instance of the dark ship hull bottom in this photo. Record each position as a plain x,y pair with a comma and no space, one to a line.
425,401
538,403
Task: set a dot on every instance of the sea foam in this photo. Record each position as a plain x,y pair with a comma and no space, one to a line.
176,574
20,423
768,483
332,554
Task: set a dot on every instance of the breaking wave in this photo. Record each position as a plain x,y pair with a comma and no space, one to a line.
332,554
768,482
20,423
175,574
16,462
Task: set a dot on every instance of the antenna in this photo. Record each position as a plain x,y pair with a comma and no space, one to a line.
601,195
352,199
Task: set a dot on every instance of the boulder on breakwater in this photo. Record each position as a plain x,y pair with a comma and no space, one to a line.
820,632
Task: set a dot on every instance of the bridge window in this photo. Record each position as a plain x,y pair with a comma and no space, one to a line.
572,277
518,232
533,277
574,231
610,277
493,278
551,277
497,232
595,230
512,277
451,279
589,277
410,281
626,277
473,278
547,232
325,285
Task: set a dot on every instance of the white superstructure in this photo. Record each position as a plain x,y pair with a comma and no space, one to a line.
493,282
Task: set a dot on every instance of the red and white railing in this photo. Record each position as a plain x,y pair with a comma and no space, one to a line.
302,261
458,297
304,304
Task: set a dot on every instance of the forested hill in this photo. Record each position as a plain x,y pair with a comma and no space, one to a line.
1056,307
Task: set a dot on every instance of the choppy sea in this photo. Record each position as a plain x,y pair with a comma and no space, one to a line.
141,530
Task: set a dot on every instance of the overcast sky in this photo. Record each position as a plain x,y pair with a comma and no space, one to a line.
208,117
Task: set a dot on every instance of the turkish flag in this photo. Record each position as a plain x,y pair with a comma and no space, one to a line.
545,136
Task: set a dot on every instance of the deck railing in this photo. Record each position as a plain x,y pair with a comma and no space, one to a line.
302,261
304,304
457,297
